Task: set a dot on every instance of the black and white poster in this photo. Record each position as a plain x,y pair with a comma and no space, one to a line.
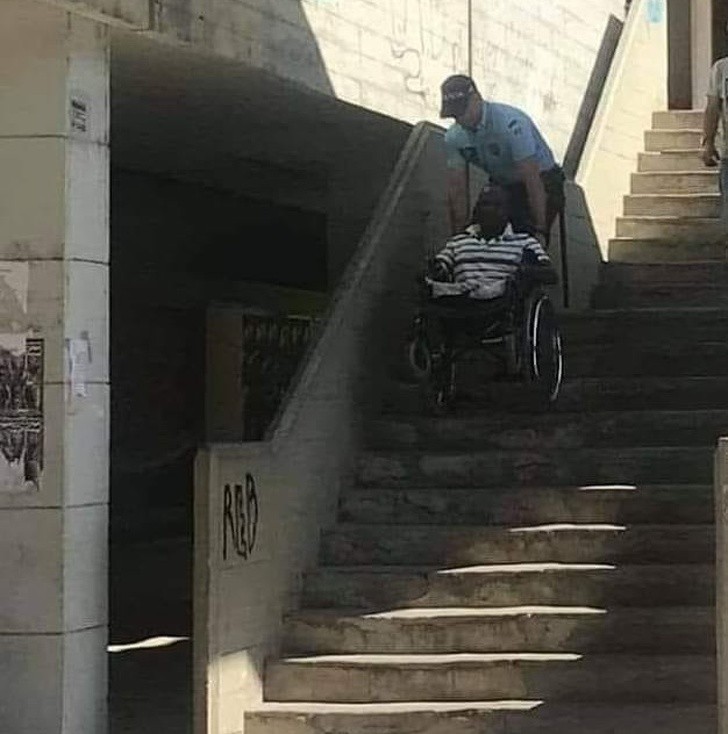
21,413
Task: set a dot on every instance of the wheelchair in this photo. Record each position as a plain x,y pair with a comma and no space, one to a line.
519,330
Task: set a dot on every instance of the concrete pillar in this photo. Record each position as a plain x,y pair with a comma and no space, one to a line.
680,73
718,20
54,160
702,49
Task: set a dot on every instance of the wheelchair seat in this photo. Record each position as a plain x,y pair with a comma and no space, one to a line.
465,308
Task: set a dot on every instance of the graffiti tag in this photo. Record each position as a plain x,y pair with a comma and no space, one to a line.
240,518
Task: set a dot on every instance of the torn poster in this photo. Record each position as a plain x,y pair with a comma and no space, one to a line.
21,413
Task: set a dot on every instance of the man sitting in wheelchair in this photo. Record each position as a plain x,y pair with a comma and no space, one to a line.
485,292
481,262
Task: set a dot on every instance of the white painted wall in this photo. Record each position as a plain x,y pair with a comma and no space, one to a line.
635,88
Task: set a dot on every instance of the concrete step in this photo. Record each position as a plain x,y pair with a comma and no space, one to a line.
651,357
455,545
410,631
549,430
644,358
677,326
502,717
676,160
538,466
633,286
387,587
659,359
677,119
663,140
647,251
577,395
675,229
655,296
641,276
467,677
672,205
623,504
686,182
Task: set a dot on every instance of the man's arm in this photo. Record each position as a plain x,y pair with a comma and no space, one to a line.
528,173
710,128
457,199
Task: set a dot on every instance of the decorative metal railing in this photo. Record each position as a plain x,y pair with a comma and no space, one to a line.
273,347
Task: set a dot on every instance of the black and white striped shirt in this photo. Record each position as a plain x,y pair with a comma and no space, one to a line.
481,268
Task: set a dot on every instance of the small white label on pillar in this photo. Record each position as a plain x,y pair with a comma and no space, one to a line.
79,358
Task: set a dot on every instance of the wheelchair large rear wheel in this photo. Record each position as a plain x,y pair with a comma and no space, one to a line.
419,358
543,360
419,354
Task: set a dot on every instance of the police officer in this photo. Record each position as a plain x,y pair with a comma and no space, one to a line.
504,142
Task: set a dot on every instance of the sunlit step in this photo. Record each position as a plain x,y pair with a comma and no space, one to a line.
489,717
465,677
443,630
451,505
364,544
595,584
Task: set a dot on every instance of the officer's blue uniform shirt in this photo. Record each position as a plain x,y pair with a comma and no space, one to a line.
505,135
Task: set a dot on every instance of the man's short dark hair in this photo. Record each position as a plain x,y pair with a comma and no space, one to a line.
490,199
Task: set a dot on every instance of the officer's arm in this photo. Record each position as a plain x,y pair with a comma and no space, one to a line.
528,172
457,199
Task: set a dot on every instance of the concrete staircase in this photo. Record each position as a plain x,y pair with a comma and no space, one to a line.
504,571
673,208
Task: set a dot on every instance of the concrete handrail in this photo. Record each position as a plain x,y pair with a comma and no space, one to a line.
351,280
260,506
721,579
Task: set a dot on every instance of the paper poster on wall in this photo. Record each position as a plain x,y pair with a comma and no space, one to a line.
21,413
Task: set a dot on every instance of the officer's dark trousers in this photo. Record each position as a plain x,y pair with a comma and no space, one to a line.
520,208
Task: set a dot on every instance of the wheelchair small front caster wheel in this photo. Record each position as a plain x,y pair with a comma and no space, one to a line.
443,394
419,358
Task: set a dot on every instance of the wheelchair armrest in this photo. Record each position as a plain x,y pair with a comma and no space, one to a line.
437,270
540,274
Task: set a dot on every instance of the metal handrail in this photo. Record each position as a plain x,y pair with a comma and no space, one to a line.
564,257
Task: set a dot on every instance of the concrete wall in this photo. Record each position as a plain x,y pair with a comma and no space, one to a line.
175,247
55,379
390,56
635,88
250,557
